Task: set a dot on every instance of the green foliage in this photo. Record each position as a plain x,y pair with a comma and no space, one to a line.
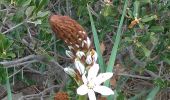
120,96
151,66
71,86
153,93
2,75
5,48
149,39
161,83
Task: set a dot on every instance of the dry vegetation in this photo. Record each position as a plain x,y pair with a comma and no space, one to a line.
32,58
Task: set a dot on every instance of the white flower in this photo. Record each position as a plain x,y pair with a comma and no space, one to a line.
94,55
79,54
70,71
88,42
69,54
91,57
92,83
70,47
79,66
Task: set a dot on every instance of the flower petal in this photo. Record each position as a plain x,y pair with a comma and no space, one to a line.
79,66
84,78
70,71
82,90
103,77
103,90
94,56
70,47
79,54
91,95
88,42
89,59
92,73
69,54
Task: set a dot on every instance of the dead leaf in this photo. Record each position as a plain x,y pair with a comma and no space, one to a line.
113,82
102,47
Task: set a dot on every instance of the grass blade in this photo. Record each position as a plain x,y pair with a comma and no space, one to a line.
96,42
8,87
153,93
114,49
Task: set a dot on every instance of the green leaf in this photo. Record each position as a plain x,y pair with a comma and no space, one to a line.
41,14
115,47
37,22
137,96
5,50
145,1
96,42
29,11
146,51
156,29
11,55
8,87
108,10
136,9
26,3
153,38
149,18
5,43
41,4
153,93
166,60
141,25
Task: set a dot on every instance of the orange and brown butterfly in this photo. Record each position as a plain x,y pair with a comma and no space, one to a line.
70,31
134,22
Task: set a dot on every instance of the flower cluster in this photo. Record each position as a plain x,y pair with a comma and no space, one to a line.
84,57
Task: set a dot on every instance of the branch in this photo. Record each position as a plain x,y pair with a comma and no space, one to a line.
132,56
22,61
13,27
31,59
39,94
135,76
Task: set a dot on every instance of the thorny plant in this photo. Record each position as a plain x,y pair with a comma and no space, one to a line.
83,55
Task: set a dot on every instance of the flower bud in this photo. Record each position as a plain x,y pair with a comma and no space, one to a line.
69,54
79,66
70,71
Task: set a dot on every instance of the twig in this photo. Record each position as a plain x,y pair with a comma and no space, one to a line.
135,76
13,27
151,73
160,68
39,94
109,39
132,56
3,10
31,59
21,61
17,71
29,69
